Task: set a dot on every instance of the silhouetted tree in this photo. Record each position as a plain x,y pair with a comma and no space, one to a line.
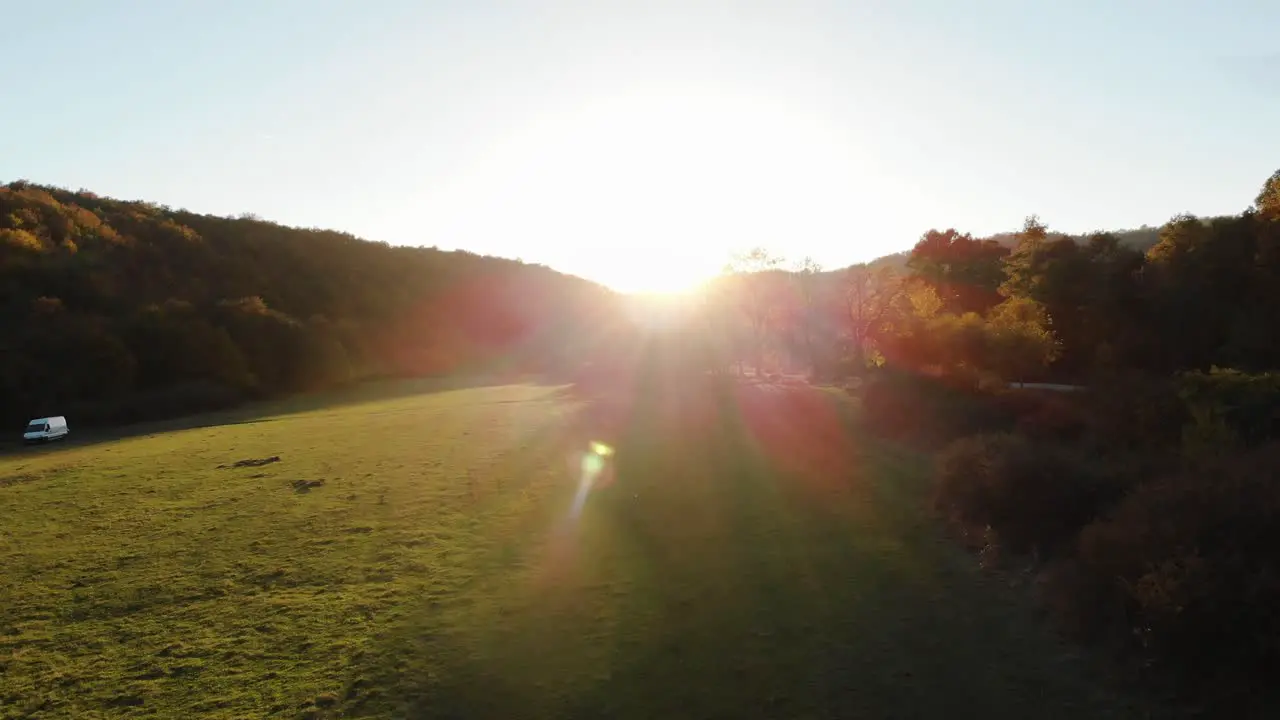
757,293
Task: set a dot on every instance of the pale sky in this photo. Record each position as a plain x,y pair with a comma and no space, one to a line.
640,143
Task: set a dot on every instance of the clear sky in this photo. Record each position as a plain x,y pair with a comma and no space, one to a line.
639,143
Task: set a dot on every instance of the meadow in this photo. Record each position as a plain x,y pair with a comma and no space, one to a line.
414,552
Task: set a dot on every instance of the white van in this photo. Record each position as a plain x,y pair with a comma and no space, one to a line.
45,430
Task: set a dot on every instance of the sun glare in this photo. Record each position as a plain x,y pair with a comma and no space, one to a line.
658,276
651,191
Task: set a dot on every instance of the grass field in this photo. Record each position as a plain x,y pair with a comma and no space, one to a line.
743,554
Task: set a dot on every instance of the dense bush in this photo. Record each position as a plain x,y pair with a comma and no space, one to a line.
1188,567
1028,496
1046,415
1229,410
913,407
1159,503
916,407
1130,412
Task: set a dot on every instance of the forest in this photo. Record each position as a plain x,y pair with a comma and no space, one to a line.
1141,505
119,311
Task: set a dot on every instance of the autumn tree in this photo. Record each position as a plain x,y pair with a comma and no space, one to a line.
872,298
1022,265
1267,204
1019,341
966,273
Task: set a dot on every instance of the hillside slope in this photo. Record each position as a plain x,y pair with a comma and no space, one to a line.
119,310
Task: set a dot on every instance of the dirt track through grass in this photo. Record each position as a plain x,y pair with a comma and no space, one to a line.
746,555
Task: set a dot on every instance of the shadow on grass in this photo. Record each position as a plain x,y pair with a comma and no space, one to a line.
261,411
749,559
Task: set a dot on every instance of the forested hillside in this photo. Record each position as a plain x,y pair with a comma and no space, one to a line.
115,310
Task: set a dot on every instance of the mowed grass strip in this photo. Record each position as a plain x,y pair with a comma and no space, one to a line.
152,577
745,554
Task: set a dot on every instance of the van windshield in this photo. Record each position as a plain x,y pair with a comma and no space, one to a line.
37,427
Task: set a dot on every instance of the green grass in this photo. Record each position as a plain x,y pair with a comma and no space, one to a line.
746,555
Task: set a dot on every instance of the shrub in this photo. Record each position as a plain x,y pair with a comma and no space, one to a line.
1029,496
908,406
1189,567
1228,410
1045,415
1132,412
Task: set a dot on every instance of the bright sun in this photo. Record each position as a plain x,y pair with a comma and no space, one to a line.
659,274
652,191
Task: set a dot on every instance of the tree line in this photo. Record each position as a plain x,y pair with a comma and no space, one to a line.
116,310
1194,294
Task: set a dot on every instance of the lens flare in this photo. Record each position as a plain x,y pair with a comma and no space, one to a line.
592,465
